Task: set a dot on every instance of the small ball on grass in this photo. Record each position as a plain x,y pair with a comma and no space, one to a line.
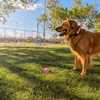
46,70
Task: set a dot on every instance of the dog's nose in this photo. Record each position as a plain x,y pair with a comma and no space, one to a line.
56,29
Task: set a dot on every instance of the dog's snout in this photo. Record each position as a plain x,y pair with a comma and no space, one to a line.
56,28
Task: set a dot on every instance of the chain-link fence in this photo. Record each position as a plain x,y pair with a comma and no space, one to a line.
10,36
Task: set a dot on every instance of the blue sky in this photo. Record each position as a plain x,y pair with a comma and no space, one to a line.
28,18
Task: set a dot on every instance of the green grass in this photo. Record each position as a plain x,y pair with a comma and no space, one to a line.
22,75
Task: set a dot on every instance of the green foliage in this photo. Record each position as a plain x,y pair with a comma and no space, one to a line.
56,15
97,28
55,35
29,39
85,14
42,17
8,6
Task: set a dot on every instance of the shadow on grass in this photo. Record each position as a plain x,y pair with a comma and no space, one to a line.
55,90
44,56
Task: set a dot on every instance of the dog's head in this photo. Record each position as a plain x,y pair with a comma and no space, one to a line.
68,27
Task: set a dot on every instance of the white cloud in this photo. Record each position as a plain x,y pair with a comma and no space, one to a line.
26,6
47,35
34,34
1,31
19,22
42,11
20,33
30,7
21,28
34,28
8,34
1,18
83,25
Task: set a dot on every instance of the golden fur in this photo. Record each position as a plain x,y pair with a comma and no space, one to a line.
84,45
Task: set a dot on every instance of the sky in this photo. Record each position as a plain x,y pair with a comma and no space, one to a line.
27,18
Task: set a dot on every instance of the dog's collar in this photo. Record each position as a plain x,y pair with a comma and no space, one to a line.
76,33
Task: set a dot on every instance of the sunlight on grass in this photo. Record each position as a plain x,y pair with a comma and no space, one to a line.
22,75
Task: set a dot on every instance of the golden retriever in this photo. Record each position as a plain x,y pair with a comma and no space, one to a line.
83,44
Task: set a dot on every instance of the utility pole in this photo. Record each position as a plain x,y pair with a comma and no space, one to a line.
44,23
16,25
16,30
37,29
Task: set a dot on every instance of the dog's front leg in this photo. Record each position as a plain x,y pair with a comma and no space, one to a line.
77,62
89,62
85,64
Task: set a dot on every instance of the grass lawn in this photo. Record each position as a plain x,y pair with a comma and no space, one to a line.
22,75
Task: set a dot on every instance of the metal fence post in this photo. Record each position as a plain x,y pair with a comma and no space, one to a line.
32,38
24,37
21,37
44,23
15,36
5,35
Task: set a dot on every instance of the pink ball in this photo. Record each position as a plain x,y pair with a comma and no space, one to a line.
46,70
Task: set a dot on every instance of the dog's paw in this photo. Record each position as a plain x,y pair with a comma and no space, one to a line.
73,69
83,73
88,67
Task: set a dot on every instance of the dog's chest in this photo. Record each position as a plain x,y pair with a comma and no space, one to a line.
73,45
73,50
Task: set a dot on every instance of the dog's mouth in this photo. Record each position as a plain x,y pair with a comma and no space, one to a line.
63,32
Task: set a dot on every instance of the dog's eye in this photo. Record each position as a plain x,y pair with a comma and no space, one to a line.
63,24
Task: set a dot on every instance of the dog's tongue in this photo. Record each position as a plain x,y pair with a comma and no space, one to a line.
62,33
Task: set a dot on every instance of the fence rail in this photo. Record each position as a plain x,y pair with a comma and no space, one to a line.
27,37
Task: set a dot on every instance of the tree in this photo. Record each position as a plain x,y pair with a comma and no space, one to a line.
55,35
85,14
97,28
57,16
39,37
50,17
29,39
8,6
43,17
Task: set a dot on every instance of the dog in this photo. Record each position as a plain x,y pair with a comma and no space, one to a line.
83,44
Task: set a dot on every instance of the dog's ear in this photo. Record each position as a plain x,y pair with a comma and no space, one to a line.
72,24
78,27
